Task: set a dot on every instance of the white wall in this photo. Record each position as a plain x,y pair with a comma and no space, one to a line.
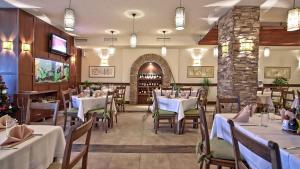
180,58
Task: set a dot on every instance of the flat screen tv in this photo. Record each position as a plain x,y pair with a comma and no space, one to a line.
58,45
51,71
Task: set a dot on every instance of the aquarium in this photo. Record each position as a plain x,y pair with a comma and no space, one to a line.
51,71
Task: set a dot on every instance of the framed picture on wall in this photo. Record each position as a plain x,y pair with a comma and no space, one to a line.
101,71
274,72
200,72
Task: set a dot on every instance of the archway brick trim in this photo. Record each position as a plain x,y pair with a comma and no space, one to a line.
167,74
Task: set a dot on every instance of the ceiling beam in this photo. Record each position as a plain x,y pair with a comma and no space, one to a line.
275,35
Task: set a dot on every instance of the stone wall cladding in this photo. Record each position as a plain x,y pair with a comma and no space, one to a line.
167,74
238,71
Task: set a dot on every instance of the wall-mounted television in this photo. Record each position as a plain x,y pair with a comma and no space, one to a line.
58,45
51,71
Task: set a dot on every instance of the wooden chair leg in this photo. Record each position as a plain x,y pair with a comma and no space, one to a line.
201,165
156,123
219,167
206,165
65,121
174,123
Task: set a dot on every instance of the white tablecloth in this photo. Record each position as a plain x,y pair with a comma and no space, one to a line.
193,93
178,105
295,102
37,152
85,104
290,159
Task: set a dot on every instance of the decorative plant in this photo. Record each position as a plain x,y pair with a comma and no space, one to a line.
206,83
87,83
280,81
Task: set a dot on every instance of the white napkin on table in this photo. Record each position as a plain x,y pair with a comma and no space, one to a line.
244,115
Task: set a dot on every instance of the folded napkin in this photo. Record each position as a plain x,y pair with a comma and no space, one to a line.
17,135
244,115
253,109
282,114
168,94
81,95
185,95
3,120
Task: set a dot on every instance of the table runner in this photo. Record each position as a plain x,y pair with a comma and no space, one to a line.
290,158
85,104
37,152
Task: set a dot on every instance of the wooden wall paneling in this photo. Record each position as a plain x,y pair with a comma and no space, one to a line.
40,86
41,36
26,33
79,56
9,59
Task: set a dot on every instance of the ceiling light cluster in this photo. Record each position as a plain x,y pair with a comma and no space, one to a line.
69,18
180,17
293,19
133,36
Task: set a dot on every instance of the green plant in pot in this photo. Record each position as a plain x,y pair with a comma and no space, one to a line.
87,83
280,81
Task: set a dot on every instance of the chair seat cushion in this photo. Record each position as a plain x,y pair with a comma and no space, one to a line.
221,149
192,112
166,112
72,111
56,165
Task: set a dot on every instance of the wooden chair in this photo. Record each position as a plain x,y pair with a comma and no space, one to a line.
75,133
223,103
203,98
188,89
276,98
163,90
69,110
120,98
268,152
192,114
298,93
160,114
288,98
54,106
149,99
105,113
261,90
215,151
73,92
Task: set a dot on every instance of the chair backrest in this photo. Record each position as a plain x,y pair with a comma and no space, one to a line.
120,92
66,98
204,132
22,101
287,98
203,98
268,152
156,105
54,106
163,90
108,101
224,104
276,94
75,133
73,91
261,90
188,89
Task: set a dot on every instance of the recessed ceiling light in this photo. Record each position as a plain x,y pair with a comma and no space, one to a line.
139,13
108,31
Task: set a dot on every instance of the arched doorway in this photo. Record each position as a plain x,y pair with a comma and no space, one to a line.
147,58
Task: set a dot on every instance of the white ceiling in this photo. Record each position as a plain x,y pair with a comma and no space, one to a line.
93,17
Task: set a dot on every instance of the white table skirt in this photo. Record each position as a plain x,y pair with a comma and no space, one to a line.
37,152
178,105
295,102
290,159
193,93
85,104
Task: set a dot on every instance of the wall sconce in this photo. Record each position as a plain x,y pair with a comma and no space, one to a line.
298,63
197,62
225,48
73,59
104,62
216,51
7,45
26,47
266,52
246,45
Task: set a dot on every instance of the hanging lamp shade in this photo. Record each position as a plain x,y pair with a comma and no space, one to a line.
112,49
293,20
266,52
164,51
69,19
133,40
180,17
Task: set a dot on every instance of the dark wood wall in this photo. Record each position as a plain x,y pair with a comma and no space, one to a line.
27,28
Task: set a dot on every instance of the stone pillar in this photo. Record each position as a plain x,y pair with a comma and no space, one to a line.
237,68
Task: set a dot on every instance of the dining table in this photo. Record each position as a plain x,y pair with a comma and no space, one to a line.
37,152
193,92
87,103
178,105
270,129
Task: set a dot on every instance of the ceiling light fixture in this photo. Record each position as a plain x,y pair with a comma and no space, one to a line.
180,17
164,48
69,18
133,37
266,52
112,49
293,19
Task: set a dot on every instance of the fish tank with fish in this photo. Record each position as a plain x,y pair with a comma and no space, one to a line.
48,71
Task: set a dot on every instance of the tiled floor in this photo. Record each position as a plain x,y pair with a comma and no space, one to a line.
136,128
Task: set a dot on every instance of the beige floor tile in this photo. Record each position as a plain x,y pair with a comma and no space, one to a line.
125,161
